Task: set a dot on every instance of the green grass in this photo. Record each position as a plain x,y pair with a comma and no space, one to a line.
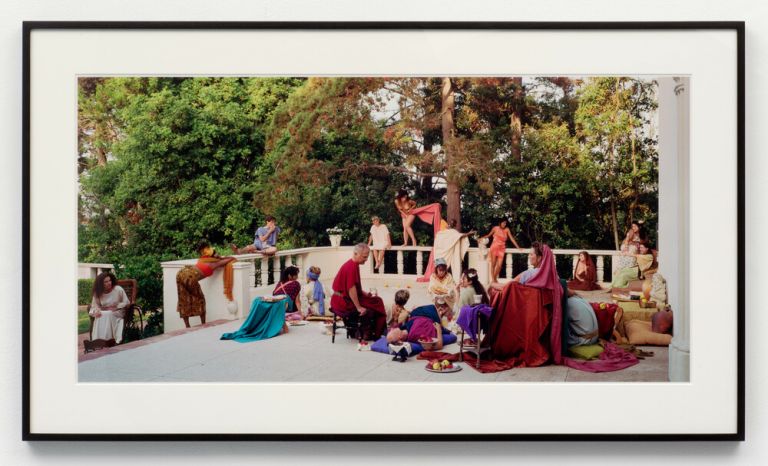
83,322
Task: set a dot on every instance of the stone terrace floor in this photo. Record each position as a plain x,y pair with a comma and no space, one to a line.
306,354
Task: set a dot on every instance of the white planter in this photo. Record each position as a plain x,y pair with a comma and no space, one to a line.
335,240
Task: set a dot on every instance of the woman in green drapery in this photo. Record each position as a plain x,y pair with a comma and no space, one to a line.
645,259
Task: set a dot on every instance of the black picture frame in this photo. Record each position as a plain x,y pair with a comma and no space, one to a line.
733,26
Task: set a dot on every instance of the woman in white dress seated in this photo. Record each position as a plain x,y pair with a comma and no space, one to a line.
107,308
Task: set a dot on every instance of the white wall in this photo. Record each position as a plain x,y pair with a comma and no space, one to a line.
14,452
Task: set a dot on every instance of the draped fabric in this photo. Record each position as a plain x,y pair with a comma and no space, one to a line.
264,321
429,214
588,281
229,275
547,279
318,293
450,245
341,304
468,318
191,300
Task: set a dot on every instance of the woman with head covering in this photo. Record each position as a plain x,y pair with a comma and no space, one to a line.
441,284
315,293
584,275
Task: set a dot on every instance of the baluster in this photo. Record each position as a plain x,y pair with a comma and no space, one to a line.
573,268
251,273
600,269
288,261
264,271
508,268
276,269
400,266
300,265
419,263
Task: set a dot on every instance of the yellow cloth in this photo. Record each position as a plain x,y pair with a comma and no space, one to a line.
229,276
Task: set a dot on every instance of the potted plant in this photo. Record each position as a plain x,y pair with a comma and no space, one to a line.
334,234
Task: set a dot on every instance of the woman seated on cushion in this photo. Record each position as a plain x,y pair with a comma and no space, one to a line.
289,285
585,274
107,307
423,326
645,259
582,322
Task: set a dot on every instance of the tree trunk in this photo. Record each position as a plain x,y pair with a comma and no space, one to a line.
453,195
614,223
516,119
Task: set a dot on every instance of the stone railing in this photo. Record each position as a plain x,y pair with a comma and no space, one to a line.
88,270
255,274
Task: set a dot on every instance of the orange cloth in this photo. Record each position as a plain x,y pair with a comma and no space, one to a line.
229,274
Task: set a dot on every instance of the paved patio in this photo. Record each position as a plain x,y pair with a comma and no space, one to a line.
306,354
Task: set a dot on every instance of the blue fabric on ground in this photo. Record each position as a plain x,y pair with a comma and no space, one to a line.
382,346
264,321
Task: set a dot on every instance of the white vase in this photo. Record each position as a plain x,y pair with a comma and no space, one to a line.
335,240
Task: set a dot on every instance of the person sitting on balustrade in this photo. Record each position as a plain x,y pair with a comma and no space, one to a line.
264,241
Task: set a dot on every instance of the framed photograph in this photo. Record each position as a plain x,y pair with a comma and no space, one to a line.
383,231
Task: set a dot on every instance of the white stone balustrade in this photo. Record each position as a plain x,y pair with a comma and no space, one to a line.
252,274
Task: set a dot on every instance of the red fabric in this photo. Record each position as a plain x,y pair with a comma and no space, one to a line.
429,214
589,281
204,268
348,277
605,318
519,327
547,279
612,358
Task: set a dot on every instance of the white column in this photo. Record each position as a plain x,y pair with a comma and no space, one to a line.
400,267
276,269
419,263
509,266
264,271
600,266
574,261
673,218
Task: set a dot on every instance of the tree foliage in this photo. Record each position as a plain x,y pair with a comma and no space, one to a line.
165,162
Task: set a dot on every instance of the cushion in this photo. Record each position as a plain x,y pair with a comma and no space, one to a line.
586,351
661,322
658,289
605,318
639,333
382,346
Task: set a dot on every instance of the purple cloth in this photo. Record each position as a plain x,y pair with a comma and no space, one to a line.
612,359
468,318
422,328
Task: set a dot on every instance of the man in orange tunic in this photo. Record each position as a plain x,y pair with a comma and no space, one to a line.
349,298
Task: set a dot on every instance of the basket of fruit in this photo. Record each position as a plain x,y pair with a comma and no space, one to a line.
444,366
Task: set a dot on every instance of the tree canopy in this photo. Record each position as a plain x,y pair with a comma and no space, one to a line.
164,162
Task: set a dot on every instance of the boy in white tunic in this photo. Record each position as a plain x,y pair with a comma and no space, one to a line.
378,241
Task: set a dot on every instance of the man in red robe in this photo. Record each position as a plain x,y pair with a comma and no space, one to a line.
349,298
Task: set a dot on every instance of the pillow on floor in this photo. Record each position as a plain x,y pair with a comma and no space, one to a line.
639,333
585,351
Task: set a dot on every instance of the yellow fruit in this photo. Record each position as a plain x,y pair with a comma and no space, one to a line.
436,366
602,305
446,363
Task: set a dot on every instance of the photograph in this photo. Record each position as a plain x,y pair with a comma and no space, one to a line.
280,220
305,229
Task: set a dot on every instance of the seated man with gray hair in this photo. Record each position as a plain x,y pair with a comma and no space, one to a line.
349,298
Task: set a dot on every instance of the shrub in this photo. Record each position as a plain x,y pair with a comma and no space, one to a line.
84,291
